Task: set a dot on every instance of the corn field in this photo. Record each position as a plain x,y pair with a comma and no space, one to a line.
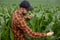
46,19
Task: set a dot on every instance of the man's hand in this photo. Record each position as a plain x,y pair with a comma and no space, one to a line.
30,16
50,33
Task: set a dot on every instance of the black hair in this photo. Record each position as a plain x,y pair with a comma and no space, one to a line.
25,4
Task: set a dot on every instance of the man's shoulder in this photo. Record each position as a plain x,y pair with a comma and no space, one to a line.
17,12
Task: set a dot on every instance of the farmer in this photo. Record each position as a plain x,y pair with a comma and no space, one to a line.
19,25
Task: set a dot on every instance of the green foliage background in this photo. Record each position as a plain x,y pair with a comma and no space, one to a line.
47,18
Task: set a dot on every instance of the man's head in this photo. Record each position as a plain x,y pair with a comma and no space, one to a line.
25,5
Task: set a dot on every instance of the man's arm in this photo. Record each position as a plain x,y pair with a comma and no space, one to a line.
29,17
23,26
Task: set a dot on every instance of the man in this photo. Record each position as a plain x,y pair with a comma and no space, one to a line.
19,26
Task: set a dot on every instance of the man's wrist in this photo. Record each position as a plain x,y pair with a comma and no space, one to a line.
45,34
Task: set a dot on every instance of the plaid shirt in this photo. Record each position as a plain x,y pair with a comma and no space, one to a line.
19,24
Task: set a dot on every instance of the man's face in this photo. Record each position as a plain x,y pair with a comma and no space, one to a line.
25,11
